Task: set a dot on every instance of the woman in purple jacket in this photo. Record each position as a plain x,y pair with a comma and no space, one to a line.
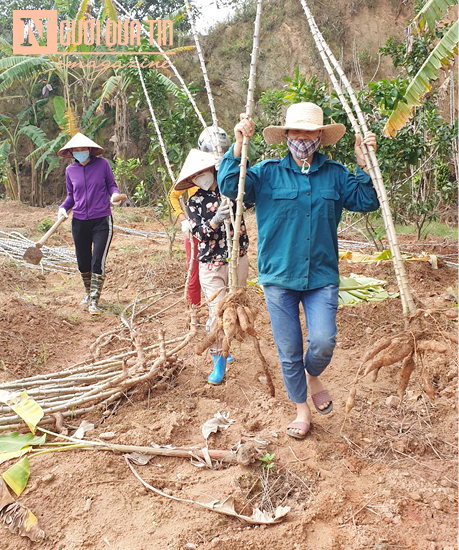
90,189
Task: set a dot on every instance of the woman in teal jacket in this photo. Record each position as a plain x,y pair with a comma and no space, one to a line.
299,200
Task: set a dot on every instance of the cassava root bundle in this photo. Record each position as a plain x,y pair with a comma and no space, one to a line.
235,319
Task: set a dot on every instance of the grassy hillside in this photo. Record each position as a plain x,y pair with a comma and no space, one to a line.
354,29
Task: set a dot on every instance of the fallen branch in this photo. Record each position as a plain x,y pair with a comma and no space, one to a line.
226,507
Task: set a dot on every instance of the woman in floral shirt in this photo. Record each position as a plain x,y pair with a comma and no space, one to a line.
206,214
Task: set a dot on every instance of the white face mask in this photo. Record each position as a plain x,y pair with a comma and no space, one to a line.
204,181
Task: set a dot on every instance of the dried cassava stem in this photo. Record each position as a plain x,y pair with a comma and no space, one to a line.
408,366
171,65
217,148
155,122
371,160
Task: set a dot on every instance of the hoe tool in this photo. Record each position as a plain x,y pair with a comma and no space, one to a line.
33,254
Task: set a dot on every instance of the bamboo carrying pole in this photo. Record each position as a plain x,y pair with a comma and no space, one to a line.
245,148
217,148
371,160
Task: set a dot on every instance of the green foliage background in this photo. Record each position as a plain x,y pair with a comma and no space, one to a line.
417,164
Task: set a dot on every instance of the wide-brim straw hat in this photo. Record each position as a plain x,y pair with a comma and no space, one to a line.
196,161
80,140
305,116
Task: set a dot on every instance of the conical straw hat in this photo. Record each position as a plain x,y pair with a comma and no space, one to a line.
196,161
80,140
305,116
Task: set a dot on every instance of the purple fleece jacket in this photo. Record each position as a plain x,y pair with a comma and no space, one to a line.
89,189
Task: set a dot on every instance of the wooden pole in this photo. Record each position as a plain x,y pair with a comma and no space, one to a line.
217,148
371,160
172,66
245,148
155,122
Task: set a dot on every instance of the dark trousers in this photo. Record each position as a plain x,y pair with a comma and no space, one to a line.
92,240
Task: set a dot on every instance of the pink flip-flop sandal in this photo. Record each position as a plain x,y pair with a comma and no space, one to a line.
320,399
303,426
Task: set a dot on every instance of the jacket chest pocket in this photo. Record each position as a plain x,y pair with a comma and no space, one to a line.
285,203
328,198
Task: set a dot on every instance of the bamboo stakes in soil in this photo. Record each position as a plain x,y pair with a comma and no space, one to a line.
371,160
234,257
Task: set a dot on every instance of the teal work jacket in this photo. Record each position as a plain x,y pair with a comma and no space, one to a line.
298,215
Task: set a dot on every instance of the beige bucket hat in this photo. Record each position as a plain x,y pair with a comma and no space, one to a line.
305,116
196,161
80,140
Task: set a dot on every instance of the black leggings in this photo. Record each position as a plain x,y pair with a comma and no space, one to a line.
92,240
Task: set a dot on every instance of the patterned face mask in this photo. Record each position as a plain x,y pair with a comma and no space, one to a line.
303,148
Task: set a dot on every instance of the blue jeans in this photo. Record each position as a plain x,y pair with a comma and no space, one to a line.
320,306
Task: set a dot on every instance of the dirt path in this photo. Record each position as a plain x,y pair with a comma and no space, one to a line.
387,479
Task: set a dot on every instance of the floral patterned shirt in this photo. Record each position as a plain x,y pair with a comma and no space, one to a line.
212,248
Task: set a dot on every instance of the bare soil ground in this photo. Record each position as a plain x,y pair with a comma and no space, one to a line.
386,479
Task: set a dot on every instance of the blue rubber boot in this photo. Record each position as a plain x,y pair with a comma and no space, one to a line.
217,375
229,359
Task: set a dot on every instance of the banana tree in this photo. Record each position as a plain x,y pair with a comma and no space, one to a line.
12,132
90,124
6,174
441,57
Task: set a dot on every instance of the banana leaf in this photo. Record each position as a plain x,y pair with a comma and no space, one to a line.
432,12
441,57
18,475
357,288
24,406
15,441
352,290
386,255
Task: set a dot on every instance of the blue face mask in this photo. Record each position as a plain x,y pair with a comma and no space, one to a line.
81,156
